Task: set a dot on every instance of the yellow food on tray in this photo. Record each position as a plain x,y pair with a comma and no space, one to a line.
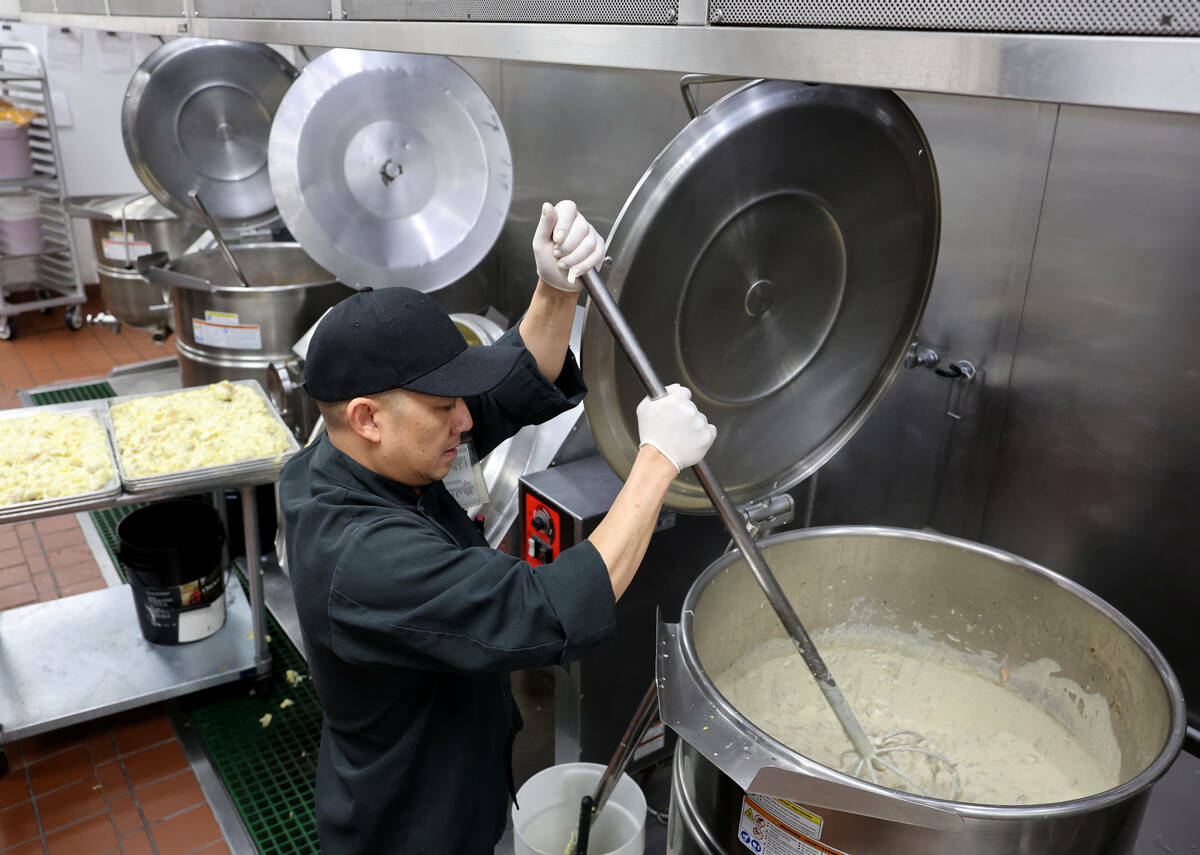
52,456
207,426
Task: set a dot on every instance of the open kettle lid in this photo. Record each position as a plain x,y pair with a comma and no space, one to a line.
197,115
391,168
776,258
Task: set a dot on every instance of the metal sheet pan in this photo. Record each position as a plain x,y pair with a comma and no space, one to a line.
112,487
208,476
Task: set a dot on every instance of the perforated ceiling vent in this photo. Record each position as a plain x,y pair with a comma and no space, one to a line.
560,11
1141,17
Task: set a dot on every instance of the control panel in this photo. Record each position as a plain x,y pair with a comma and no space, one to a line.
543,532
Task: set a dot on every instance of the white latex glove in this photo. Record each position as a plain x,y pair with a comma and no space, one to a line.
565,246
674,426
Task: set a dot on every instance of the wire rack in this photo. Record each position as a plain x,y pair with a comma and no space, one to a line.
52,274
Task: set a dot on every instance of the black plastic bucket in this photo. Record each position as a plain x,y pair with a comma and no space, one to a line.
172,555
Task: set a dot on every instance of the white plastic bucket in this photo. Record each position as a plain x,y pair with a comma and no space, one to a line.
20,226
550,812
16,158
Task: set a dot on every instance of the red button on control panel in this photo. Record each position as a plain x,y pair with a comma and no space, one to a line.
542,530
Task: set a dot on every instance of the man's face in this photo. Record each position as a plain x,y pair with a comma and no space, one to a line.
419,434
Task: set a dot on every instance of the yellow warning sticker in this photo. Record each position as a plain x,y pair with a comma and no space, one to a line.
807,814
771,826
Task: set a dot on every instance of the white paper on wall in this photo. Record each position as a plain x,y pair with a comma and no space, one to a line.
64,49
143,46
114,52
62,109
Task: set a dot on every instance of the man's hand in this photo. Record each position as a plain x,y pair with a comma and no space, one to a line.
565,246
674,426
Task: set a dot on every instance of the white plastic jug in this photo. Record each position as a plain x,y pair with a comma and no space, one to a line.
20,226
550,812
16,158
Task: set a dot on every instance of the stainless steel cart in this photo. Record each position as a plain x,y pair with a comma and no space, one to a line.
53,273
82,657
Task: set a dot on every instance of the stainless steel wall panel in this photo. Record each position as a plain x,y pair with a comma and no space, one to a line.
586,135
1140,17
169,8
1153,73
912,464
1098,474
558,11
84,7
295,9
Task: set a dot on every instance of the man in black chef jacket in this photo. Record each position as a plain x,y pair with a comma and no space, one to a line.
411,622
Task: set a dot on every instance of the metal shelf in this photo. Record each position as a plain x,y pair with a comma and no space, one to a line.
1141,72
55,270
82,657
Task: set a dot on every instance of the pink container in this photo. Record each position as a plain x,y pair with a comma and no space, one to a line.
16,160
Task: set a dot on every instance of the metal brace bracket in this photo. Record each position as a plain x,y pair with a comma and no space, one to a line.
919,356
692,13
769,513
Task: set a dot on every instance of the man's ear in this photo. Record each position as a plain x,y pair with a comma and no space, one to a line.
360,418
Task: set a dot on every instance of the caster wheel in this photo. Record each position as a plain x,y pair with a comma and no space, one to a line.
43,294
7,332
74,318
3,764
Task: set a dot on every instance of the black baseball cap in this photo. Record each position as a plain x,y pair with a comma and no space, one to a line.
398,338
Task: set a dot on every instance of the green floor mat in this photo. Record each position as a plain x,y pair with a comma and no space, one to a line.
270,771
87,392
106,520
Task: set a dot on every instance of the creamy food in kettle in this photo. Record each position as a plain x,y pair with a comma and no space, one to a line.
1008,750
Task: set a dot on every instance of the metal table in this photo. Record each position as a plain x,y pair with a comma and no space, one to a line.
83,657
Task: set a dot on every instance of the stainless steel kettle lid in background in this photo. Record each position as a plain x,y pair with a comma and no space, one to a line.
391,169
775,258
197,115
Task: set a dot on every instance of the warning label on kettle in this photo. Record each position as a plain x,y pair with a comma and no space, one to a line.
122,246
772,826
232,336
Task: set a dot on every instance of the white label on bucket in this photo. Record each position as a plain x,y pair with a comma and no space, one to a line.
654,739
195,624
230,336
119,246
771,826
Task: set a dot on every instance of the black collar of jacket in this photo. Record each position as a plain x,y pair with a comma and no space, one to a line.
433,501
347,471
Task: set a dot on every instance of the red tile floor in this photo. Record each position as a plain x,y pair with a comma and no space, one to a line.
115,785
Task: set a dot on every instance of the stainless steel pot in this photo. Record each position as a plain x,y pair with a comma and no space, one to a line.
895,578
228,332
131,299
125,228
